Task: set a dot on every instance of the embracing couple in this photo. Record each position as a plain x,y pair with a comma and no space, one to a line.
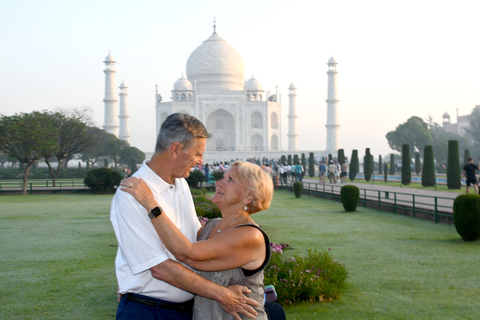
170,267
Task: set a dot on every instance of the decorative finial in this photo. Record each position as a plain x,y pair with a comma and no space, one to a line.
214,25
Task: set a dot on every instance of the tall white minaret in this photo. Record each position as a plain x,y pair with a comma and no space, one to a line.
124,127
292,119
111,119
332,109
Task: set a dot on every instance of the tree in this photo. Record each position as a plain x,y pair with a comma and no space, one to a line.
474,128
466,155
304,163
414,132
380,166
341,156
72,138
311,165
92,153
354,164
113,148
428,172
406,169
295,159
392,164
130,155
289,161
28,137
453,166
418,165
367,165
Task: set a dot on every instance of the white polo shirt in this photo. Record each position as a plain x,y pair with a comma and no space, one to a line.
139,246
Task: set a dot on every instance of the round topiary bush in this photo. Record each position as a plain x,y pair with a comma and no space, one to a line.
298,188
350,195
466,216
103,180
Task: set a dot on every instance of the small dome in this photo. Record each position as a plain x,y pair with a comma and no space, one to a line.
254,85
332,61
123,84
292,87
183,84
446,115
109,58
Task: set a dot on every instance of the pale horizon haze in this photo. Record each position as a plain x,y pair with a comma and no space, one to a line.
395,59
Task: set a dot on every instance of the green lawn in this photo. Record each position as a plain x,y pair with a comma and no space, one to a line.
57,259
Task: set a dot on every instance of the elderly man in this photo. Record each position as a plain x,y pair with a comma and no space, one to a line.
152,284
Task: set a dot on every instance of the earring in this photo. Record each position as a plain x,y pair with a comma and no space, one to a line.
245,208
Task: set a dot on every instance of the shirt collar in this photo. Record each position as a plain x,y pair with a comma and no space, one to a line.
157,184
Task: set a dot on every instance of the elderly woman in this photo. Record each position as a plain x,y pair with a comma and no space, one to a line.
232,250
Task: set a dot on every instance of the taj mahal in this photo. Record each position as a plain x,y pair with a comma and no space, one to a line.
243,118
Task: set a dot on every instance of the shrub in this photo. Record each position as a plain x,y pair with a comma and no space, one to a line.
203,191
204,206
217,175
289,159
341,156
367,165
392,164
385,172
418,165
350,196
195,177
102,180
316,277
466,216
311,165
353,169
428,172
406,170
195,192
380,165
298,188
453,166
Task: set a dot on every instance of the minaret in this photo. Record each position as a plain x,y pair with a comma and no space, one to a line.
124,128
332,109
292,119
111,120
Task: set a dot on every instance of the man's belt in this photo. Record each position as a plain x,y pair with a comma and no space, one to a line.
152,302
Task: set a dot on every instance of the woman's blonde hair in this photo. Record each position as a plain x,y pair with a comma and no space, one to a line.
259,185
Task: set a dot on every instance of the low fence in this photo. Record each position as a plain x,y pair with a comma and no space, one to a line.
434,208
15,186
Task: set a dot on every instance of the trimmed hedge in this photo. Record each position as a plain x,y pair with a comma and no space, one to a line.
453,166
103,180
428,172
298,188
350,195
466,216
406,170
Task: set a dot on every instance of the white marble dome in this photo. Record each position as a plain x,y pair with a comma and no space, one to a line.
183,84
109,58
254,85
216,65
332,60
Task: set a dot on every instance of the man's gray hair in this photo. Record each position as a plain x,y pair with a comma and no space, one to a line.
182,128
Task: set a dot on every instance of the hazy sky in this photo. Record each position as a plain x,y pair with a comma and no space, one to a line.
395,59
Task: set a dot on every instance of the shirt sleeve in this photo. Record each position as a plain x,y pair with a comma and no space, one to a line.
137,238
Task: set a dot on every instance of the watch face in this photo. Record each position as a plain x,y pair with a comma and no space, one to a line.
155,212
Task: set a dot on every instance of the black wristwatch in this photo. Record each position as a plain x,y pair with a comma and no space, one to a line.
155,212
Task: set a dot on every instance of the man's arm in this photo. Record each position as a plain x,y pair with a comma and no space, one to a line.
231,299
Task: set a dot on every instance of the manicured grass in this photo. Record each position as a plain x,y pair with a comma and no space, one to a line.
57,259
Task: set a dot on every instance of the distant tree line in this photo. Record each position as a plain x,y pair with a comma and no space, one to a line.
56,137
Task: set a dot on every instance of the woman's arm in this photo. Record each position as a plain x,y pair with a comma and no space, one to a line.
237,247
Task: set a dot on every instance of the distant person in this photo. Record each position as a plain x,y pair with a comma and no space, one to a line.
206,169
343,174
331,172
469,172
321,172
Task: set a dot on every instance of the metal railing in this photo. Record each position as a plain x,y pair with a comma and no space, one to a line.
424,206
42,185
